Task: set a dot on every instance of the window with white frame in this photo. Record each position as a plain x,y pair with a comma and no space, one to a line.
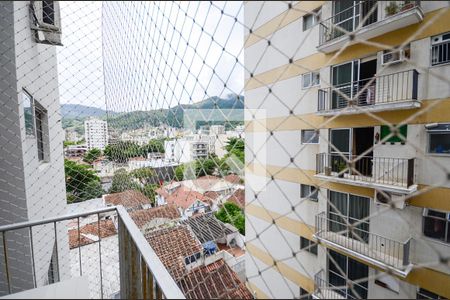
310,79
309,192
308,245
28,112
436,225
439,138
440,49
310,136
310,20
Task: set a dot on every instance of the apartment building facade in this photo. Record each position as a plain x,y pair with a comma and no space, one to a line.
352,127
96,133
188,148
32,176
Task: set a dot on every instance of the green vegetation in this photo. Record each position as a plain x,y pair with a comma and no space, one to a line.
122,181
144,175
92,155
81,182
236,146
69,143
231,213
122,151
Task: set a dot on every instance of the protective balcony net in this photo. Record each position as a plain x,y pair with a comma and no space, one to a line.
143,157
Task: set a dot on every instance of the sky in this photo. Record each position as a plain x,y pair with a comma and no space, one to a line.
155,55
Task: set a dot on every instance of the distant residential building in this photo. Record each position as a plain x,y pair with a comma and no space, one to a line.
96,133
187,149
216,129
72,136
74,151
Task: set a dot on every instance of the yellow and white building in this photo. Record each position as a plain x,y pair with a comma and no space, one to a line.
349,123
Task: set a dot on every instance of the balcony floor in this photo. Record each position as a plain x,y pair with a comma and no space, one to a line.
391,23
364,252
412,104
327,293
369,182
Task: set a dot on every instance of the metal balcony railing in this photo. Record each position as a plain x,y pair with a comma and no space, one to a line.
113,261
385,89
354,236
350,19
324,289
396,172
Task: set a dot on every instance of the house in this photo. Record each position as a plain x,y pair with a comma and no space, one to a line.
156,216
206,192
198,276
131,200
187,201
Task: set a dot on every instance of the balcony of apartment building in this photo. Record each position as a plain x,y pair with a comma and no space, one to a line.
337,287
104,259
372,93
352,237
352,160
365,20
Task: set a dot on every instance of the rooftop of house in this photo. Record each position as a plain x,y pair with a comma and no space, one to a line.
233,178
214,281
89,233
207,228
173,245
129,199
184,197
144,216
238,198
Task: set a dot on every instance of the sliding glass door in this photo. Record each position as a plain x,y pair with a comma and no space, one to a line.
346,209
344,77
343,270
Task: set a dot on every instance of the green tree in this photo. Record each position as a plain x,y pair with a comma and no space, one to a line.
144,175
122,151
149,190
205,166
122,181
231,213
154,146
92,155
236,146
81,182
179,173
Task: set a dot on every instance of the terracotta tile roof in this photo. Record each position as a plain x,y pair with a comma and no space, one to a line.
206,182
214,281
173,245
107,228
238,198
73,239
212,195
184,197
130,199
233,178
143,216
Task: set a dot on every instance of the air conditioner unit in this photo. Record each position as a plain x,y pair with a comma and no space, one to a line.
386,198
393,57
